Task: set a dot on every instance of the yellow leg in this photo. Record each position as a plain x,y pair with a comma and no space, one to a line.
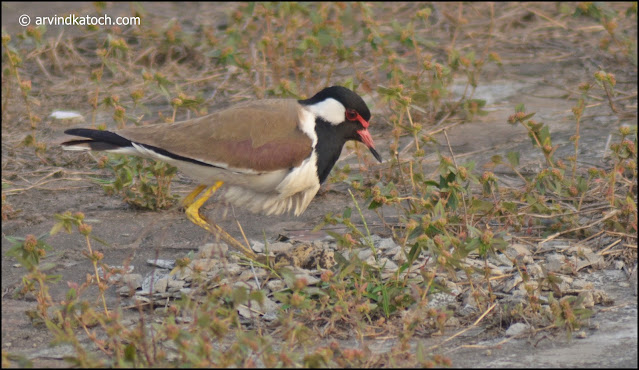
188,200
193,214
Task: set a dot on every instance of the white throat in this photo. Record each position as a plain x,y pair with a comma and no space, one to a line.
329,110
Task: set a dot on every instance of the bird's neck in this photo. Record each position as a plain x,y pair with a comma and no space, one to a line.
328,148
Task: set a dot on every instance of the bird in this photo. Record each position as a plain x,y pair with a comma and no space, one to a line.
272,154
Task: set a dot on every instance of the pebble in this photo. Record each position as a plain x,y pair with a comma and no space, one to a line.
365,254
500,260
441,300
385,244
310,279
160,285
560,258
517,329
386,264
588,299
276,285
252,274
250,285
154,277
132,281
554,262
213,250
175,285
258,247
163,264
267,307
535,271
581,335
204,265
279,247
517,249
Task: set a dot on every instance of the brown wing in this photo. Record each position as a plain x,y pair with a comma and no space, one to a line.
260,135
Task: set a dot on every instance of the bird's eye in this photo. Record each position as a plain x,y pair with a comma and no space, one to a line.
351,115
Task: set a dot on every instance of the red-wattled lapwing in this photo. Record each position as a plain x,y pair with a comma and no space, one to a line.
273,154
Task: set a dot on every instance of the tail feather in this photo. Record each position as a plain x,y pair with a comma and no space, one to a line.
97,140
111,142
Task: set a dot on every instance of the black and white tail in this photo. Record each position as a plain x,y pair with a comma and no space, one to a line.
107,141
98,140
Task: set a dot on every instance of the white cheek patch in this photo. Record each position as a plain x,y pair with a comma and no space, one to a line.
330,110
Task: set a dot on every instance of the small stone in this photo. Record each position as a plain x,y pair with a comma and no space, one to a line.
588,299
393,251
252,274
258,247
399,257
115,272
385,244
535,271
566,283
318,244
153,278
267,307
249,284
232,269
163,264
512,283
204,265
387,275
441,300
132,281
371,260
591,260
175,285
581,284
125,291
212,250
185,274
452,322
270,316
279,247
388,264
67,117
467,310
516,329
579,250
310,280
364,254
581,335
554,262
276,285
161,285
518,250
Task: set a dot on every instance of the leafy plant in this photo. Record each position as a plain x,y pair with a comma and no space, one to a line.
141,182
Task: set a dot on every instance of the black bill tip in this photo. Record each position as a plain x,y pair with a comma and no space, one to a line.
376,155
